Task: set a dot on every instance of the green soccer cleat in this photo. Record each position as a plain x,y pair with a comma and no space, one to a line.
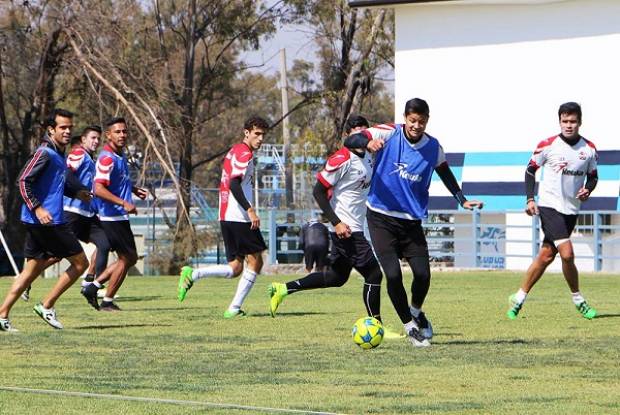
228,314
586,311
515,307
185,282
277,292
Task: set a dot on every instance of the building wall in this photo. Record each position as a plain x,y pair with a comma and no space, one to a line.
495,74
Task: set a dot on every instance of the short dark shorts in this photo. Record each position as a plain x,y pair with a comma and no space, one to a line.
87,229
390,235
355,250
556,225
120,236
240,240
55,241
316,255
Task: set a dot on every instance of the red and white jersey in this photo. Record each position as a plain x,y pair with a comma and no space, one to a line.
237,163
348,176
564,173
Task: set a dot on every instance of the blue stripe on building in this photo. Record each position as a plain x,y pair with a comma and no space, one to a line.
494,188
600,203
497,159
608,172
458,174
442,203
609,157
455,159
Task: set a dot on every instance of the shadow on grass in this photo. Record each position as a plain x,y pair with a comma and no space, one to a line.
289,314
607,316
120,326
125,310
470,342
144,298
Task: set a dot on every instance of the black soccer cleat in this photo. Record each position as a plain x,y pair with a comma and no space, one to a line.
90,293
109,306
426,329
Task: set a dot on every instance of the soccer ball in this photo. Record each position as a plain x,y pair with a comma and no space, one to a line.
367,332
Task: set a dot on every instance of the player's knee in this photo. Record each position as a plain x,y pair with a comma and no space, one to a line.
334,279
80,263
568,256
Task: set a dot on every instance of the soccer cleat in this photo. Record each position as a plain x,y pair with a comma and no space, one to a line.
417,339
391,334
277,292
90,293
5,325
586,311
426,329
515,307
48,315
109,306
26,294
234,313
185,282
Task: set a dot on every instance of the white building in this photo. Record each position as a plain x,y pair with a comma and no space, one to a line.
494,73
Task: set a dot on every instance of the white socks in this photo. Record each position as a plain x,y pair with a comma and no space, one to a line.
246,281
409,326
520,296
221,271
578,298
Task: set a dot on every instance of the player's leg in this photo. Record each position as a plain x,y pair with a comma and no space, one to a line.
188,275
26,293
385,234
100,257
32,269
571,274
420,285
245,284
371,293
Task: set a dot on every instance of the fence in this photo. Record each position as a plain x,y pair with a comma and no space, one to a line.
464,239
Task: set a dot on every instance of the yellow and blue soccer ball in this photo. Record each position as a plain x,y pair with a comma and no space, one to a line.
367,332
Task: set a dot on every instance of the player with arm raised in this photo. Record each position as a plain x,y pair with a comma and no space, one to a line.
398,202
570,176
347,175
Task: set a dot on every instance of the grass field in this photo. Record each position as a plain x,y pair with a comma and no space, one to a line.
548,361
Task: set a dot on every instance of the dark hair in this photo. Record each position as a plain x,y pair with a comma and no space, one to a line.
570,108
90,128
417,106
355,121
75,140
255,121
114,120
57,112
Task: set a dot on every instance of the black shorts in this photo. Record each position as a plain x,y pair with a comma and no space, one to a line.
355,250
556,225
240,240
120,236
316,255
389,235
87,229
56,241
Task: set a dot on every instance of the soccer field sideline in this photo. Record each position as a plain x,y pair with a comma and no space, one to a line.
160,352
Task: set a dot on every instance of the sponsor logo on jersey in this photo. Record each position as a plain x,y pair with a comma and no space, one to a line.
569,172
582,155
401,170
560,166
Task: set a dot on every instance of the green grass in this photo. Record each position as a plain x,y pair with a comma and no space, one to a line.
548,361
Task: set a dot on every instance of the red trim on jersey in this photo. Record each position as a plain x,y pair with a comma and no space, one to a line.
324,182
104,182
336,160
534,164
545,143
590,143
385,126
22,187
367,134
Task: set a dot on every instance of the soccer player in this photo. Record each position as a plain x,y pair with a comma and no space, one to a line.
114,188
238,221
42,183
347,174
81,216
314,241
398,202
569,160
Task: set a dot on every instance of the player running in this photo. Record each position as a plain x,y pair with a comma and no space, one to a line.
568,160
347,175
398,201
239,221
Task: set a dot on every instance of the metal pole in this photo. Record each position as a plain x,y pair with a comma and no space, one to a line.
596,223
273,238
9,254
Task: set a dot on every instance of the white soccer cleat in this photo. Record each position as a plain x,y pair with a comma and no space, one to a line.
48,315
5,325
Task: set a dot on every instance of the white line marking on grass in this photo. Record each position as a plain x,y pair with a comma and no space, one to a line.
159,400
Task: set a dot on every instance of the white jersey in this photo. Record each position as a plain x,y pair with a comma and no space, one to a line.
237,163
564,172
348,177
